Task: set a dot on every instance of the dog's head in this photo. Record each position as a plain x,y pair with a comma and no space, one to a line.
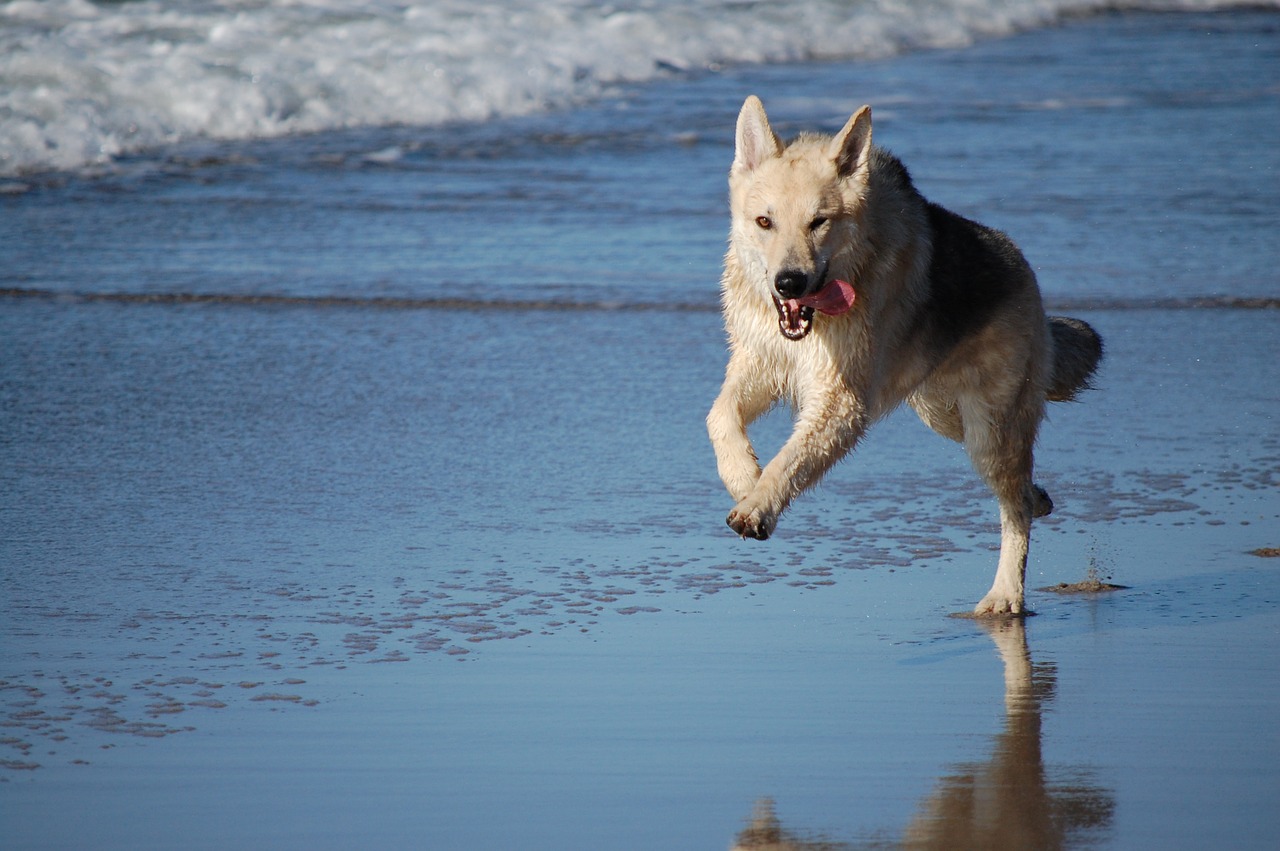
796,211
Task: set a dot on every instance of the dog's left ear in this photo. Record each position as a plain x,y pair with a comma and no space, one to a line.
852,146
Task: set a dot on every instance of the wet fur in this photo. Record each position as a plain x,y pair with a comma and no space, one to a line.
947,318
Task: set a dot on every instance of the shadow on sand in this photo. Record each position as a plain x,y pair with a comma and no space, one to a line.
1010,801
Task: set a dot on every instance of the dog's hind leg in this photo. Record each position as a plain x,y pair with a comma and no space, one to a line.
939,413
1007,595
1005,465
1001,451
944,418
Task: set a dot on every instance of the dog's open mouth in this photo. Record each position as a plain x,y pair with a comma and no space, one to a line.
795,315
794,319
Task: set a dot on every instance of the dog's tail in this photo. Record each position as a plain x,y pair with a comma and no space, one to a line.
1077,351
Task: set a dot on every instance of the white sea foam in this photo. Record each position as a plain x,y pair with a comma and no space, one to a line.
84,82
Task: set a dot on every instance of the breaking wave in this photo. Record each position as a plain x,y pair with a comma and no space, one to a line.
85,82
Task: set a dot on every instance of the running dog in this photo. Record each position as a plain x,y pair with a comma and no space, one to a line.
844,294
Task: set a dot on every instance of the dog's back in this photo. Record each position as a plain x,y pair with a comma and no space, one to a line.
977,271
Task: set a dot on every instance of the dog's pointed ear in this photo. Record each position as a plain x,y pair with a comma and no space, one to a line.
756,141
852,146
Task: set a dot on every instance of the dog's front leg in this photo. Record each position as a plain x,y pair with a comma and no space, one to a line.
826,429
739,404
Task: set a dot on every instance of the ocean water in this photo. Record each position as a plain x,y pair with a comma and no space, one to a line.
85,82
354,490
1046,138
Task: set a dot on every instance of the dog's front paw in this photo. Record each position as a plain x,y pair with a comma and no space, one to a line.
751,522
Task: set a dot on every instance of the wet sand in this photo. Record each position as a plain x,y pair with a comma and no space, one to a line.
586,659
338,574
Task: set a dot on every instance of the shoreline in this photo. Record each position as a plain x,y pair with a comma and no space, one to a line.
1119,303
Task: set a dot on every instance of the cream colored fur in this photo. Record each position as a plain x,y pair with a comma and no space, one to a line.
832,207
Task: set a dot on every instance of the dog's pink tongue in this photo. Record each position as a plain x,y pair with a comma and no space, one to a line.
833,299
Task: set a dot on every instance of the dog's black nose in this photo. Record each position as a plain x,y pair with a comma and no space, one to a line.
791,283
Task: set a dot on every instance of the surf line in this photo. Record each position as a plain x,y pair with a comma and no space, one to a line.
339,301
1213,302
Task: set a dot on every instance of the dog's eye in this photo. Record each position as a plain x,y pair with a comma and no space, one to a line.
764,222
817,223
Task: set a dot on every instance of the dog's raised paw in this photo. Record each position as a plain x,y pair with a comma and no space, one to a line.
749,524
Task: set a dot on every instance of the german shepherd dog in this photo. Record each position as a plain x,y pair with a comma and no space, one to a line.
846,293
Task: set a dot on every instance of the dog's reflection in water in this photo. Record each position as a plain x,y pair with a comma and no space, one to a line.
1010,801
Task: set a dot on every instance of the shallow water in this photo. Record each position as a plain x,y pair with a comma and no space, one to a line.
325,573
1066,138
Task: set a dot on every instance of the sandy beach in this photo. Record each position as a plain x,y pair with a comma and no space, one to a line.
301,549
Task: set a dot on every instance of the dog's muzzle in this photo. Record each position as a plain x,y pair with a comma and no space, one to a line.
795,304
795,320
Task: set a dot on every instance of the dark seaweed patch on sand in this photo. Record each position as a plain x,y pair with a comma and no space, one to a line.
1088,586
1093,583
